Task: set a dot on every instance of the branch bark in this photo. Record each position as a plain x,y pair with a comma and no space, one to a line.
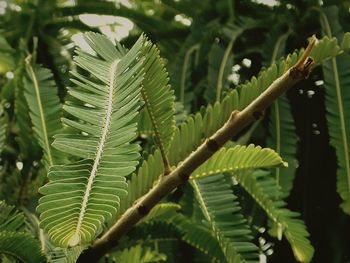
236,122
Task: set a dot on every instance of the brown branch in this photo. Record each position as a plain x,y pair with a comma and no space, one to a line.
236,122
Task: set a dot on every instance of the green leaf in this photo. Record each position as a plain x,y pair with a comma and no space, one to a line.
83,195
198,236
10,219
142,181
28,145
284,140
14,241
192,232
44,109
223,212
264,190
158,97
65,255
238,159
139,254
21,246
337,80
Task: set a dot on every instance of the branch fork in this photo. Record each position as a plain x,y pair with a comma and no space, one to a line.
236,122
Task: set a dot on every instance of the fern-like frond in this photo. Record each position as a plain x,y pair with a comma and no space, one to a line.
263,189
14,240
65,255
198,236
283,139
222,210
3,128
336,75
21,246
139,254
10,218
25,138
83,195
44,109
158,97
238,159
192,232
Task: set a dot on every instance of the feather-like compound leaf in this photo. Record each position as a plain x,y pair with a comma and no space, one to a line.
264,190
44,109
337,82
158,97
284,140
81,196
14,241
21,246
237,159
223,212
10,218
191,231
139,253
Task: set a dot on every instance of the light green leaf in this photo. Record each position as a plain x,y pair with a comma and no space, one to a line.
238,159
83,195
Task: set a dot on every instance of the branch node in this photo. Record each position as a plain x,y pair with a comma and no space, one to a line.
143,210
212,145
304,71
233,115
257,115
184,177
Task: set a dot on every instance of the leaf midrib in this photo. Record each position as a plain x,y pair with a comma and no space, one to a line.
104,133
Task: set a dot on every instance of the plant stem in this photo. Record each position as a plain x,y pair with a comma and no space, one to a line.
236,122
